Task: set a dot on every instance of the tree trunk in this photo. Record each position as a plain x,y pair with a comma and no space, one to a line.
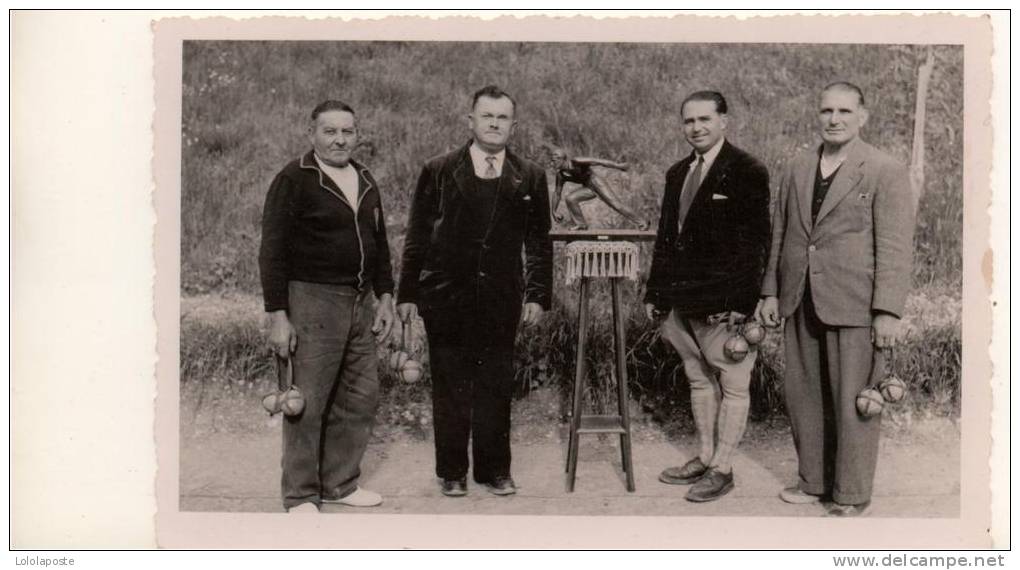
917,152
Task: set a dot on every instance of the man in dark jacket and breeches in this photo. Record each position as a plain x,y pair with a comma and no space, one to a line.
472,212
709,257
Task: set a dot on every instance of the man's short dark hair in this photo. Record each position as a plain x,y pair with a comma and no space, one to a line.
713,96
492,92
847,87
330,105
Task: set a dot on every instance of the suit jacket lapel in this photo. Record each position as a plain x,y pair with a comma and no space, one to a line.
463,172
715,175
804,178
848,176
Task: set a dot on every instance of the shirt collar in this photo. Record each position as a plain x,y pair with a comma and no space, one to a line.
710,155
478,157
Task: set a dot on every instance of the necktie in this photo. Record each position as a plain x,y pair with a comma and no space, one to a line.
689,192
490,170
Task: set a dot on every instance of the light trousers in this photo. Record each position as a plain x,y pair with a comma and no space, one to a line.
720,388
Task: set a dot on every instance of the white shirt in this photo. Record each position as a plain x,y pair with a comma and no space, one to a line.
709,158
345,178
478,157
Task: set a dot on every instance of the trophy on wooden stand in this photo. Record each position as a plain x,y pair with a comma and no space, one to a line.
612,255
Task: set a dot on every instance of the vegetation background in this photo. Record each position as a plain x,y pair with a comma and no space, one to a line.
246,107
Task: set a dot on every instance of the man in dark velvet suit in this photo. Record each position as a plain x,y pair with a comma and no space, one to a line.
472,212
709,257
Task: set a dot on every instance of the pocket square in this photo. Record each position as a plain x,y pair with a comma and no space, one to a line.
720,197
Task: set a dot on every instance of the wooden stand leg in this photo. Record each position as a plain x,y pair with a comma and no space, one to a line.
621,378
579,382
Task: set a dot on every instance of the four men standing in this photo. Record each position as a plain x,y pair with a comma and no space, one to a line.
838,269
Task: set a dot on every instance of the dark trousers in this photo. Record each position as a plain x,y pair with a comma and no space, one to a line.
335,368
472,387
826,367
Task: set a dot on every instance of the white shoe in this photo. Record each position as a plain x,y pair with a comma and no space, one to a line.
359,498
304,509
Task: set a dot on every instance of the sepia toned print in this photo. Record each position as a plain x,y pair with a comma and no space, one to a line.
245,108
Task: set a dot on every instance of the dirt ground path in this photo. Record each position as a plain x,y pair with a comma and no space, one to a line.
225,469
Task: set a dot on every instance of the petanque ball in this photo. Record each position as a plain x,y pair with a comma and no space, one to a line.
411,371
893,389
736,348
271,402
292,403
397,360
753,332
869,402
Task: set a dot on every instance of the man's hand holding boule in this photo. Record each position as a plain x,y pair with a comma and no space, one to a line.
885,329
407,312
767,311
282,334
383,318
532,314
653,313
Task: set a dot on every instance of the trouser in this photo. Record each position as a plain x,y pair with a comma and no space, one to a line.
472,389
826,367
720,388
336,370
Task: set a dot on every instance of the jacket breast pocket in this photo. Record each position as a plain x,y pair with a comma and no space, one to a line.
720,216
525,204
863,208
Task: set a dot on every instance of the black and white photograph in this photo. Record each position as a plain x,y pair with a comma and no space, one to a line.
571,278
572,283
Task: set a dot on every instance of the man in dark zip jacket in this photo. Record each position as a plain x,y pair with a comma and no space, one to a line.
324,254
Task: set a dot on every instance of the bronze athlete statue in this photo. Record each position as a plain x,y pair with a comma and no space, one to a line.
591,185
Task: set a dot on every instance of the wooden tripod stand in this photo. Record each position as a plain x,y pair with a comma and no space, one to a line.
597,257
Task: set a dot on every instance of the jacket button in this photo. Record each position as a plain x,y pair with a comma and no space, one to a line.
481,274
811,248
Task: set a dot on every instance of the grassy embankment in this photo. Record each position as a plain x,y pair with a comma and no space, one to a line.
245,105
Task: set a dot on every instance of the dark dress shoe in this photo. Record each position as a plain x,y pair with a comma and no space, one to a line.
858,510
501,486
686,475
711,486
453,487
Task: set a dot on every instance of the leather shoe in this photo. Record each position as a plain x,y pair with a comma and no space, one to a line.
501,486
858,510
795,496
686,475
711,486
454,487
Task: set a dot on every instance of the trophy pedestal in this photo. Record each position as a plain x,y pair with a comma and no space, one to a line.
610,255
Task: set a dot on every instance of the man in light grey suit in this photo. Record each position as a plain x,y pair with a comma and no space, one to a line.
838,271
